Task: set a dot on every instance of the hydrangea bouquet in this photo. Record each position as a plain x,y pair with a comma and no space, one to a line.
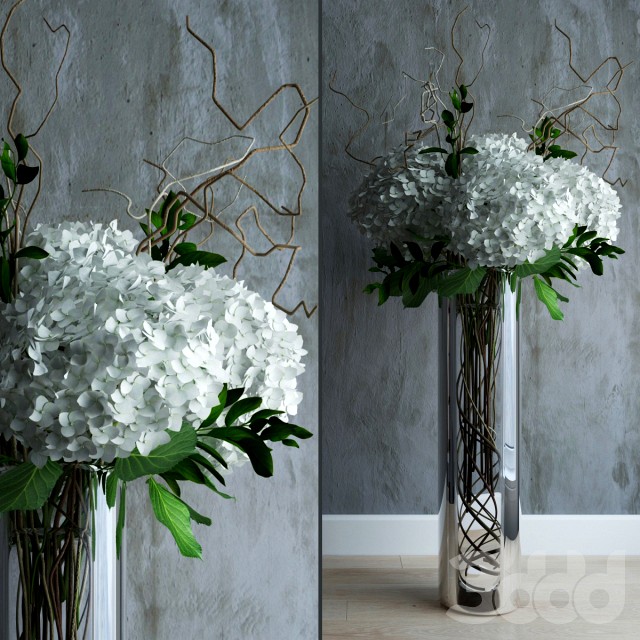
491,206
471,220
118,364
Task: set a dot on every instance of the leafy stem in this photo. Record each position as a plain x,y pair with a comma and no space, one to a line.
454,124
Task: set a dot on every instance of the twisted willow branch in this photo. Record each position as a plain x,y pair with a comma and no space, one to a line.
480,317
53,546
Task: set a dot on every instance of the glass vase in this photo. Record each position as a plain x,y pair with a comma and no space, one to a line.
59,575
478,449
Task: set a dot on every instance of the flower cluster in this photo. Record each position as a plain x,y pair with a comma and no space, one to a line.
103,351
508,206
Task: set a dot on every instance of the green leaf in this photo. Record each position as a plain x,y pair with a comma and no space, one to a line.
25,174
161,459
451,165
281,430
463,91
203,258
455,100
586,237
185,247
290,443
5,280
175,515
111,489
32,252
22,146
172,483
549,297
27,487
462,281
240,408
448,118
187,220
206,464
247,441
433,150
465,107
8,165
122,512
213,452
470,151
157,220
233,395
550,259
265,414
195,515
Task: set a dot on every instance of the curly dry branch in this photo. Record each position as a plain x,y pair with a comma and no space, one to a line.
201,196
597,128
22,211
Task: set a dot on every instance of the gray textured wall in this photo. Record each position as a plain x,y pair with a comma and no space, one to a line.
133,84
580,404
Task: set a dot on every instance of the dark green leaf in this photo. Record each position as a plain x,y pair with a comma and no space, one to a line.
111,489
172,483
27,487
433,150
25,174
32,252
213,452
470,151
206,464
175,515
161,459
233,395
203,258
415,251
279,430
448,118
465,107
240,408
290,443
247,441
5,280
463,91
185,247
586,237
451,165
122,511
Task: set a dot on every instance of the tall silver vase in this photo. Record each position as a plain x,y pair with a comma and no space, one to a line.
100,598
479,451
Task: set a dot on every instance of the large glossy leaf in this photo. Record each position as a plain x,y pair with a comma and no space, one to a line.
549,297
175,515
161,459
247,441
463,281
240,408
27,487
550,259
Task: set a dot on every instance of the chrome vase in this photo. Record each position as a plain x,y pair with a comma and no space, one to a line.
479,512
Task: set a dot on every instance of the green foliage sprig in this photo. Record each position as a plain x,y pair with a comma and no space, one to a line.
18,174
543,139
167,235
414,274
189,456
454,124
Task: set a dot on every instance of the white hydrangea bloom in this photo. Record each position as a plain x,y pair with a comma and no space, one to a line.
507,207
103,351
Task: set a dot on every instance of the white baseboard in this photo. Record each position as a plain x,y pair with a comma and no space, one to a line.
415,535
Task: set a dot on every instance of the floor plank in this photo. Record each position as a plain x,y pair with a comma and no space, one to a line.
397,598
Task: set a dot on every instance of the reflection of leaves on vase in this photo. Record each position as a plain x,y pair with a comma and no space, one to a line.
478,457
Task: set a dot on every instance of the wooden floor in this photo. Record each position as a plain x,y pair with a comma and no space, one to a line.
397,597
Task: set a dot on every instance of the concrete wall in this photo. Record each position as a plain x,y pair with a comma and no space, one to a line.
580,377
133,85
